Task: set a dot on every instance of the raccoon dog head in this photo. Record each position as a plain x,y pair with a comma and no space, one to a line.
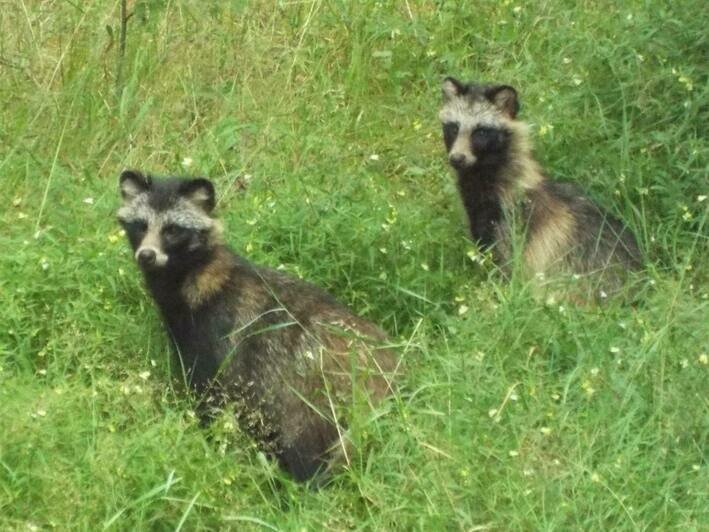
167,220
476,122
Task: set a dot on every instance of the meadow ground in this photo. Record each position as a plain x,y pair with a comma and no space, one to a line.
317,121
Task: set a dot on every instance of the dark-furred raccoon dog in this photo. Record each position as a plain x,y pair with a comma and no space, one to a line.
506,195
286,355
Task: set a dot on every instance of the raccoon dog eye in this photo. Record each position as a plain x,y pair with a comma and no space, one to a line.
483,132
450,129
486,138
450,132
174,231
136,226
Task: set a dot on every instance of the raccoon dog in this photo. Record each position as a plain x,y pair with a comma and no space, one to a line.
285,354
505,193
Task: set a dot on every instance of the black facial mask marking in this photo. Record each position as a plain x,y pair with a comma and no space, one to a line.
135,230
450,132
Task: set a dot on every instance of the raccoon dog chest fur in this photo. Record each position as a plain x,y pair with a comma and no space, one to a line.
509,200
287,356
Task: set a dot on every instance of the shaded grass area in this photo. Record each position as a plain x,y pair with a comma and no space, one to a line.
317,121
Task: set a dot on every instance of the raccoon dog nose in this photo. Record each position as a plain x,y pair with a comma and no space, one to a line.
457,159
146,257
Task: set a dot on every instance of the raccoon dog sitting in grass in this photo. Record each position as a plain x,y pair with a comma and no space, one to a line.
286,355
508,199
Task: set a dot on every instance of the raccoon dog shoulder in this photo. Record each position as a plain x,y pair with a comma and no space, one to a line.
287,356
504,190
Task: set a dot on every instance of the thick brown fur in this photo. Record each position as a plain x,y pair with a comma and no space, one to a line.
515,210
291,360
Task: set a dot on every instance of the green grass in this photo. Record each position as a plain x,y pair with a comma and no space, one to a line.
512,415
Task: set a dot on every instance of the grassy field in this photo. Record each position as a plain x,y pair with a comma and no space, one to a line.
317,120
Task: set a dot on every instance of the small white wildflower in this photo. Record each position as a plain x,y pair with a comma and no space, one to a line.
187,162
513,453
517,9
701,198
615,350
703,359
492,412
688,84
475,257
41,412
21,216
595,477
383,251
576,80
684,363
374,157
144,375
89,201
514,396
603,294
424,266
594,371
309,354
566,60
44,263
462,310
545,430
587,388
696,467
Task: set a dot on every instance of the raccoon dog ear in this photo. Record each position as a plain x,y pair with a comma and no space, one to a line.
451,88
132,183
505,99
199,191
